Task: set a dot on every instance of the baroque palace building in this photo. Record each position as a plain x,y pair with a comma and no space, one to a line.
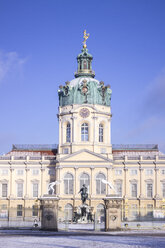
84,155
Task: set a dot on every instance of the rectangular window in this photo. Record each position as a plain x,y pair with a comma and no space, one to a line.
133,172
84,132
68,132
134,190
134,211
20,172
65,151
19,189
163,189
163,172
100,133
149,172
118,187
35,189
35,172
4,172
4,206
19,210
118,172
149,190
4,189
35,210
149,210
3,211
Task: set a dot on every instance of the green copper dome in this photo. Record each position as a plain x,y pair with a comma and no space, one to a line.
84,89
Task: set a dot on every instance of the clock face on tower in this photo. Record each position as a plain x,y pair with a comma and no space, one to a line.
84,112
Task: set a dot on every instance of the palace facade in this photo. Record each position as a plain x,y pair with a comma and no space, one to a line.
84,155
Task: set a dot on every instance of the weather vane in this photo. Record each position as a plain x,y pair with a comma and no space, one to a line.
86,36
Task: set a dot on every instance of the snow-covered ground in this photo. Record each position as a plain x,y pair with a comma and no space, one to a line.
38,239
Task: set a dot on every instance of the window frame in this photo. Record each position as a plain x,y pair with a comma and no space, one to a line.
6,190
149,195
101,132
68,132
68,184
35,210
68,209
19,210
35,190
19,195
134,190
119,185
85,132
163,189
100,186
85,180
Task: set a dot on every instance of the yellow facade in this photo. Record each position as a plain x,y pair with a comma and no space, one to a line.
85,154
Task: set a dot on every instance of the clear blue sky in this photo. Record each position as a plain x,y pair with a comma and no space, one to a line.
39,42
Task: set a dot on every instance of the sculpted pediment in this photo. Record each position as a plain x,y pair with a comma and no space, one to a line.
85,156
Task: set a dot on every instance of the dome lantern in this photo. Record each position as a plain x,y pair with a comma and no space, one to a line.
84,60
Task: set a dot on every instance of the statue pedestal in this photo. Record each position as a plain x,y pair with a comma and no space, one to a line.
113,212
83,214
49,209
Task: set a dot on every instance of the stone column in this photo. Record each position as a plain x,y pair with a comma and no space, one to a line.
58,178
113,213
59,137
141,181
156,182
125,181
94,132
109,179
26,183
75,182
11,181
73,124
156,186
42,171
91,186
49,215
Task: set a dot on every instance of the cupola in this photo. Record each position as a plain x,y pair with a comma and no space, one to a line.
84,60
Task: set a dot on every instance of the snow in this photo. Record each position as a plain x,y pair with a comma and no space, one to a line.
40,239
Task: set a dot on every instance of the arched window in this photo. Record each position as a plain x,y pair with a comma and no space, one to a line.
68,184
100,186
101,130
84,132
68,132
85,64
68,212
84,179
89,65
80,65
100,213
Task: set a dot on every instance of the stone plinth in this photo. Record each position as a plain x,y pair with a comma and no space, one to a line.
113,212
49,212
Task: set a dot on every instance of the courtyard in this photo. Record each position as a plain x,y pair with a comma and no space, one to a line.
41,239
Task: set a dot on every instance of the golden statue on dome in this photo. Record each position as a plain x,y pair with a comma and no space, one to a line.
86,36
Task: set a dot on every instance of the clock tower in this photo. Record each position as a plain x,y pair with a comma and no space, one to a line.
85,111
